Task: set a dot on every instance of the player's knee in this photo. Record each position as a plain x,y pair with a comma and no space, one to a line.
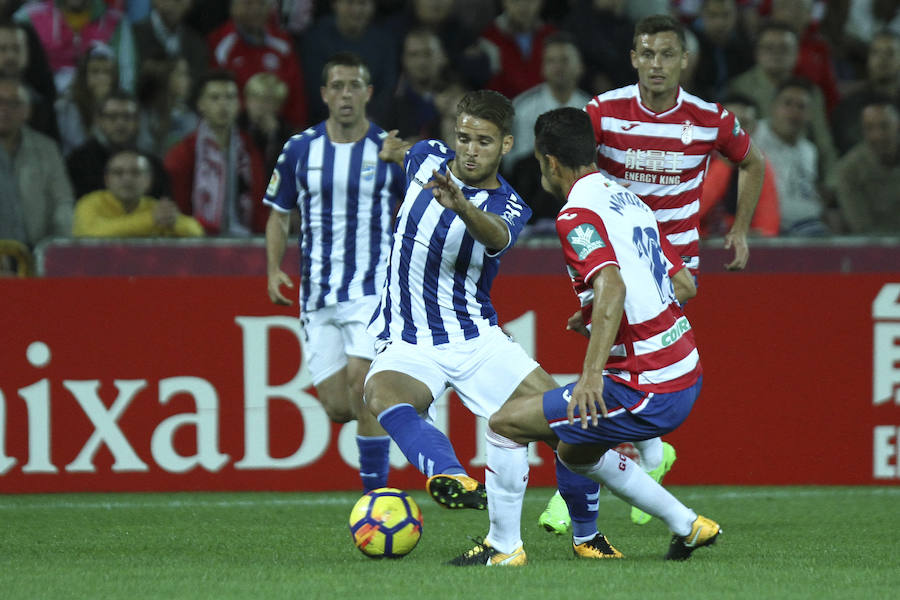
502,424
338,412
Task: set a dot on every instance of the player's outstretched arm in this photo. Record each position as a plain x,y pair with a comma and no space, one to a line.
606,315
750,180
488,228
393,149
277,228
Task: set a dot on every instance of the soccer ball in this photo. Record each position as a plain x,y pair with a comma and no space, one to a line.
386,523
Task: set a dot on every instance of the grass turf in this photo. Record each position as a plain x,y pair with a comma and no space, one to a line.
777,542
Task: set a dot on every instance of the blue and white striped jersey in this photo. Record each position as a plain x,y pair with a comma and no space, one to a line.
346,197
439,279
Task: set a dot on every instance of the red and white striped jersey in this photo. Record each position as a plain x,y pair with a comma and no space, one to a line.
663,156
604,224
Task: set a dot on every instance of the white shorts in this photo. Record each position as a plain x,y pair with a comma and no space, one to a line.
484,371
332,333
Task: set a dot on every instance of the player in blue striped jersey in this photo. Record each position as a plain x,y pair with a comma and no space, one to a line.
436,326
346,197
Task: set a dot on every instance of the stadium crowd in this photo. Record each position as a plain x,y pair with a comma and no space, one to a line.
208,91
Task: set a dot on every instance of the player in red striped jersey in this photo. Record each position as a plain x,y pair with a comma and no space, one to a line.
657,138
641,373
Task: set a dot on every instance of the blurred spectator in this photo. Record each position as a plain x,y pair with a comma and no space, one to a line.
718,201
882,80
206,16
250,42
264,95
636,10
350,29
14,60
814,60
514,43
794,159
445,18
69,28
217,174
165,117
776,57
867,178
35,194
446,101
561,69
412,111
865,19
164,33
116,128
123,209
604,35
37,72
725,50
76,109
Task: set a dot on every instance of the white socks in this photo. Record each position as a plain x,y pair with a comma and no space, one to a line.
505,477
651,452
625,479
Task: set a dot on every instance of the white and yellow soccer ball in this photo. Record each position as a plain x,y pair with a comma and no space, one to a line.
386,523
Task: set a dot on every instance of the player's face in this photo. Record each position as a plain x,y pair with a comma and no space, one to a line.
549,182
659,60
479,148
346,95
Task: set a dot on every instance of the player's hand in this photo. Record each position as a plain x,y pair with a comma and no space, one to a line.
276,280
576,324
587,396
446,192
738,240
393,148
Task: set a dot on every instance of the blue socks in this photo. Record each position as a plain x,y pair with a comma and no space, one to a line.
373,461
581,496
422,443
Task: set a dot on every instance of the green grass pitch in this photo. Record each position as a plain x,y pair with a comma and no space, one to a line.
777,542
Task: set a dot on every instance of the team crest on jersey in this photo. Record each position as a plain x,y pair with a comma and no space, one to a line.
368,170
584,239
274,183
687,132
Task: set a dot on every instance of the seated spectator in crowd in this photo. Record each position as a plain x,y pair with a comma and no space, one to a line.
69,28
164,33
165,116
776,58
217,174
123,208
882,81
867,179
459,41
814,59
794,159
514,43
264,96
76,109
14,60
116,128
249,43
725,51
718,201
412,111
604,35
37,73
35,194
350,28
561,70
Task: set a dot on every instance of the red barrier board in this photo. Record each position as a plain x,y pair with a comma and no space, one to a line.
127,384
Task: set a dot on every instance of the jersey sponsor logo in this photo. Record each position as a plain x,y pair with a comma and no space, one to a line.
274,183
566,216
630,126
674,333
659,161
584,239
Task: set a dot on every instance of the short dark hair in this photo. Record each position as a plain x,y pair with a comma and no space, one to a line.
795,82
489,105
346,59
659,24
567,134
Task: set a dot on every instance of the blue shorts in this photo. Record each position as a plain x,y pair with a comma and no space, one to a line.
632,415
